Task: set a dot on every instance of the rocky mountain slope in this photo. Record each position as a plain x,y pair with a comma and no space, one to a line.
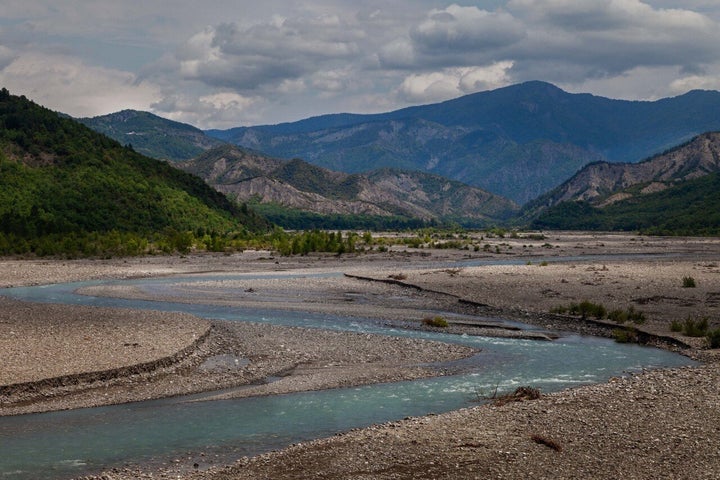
296,184
519,141
604,183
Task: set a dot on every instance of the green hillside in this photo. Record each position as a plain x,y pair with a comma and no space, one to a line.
691,208
153,136
61,180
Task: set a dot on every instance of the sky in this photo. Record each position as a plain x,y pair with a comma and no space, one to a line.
228,63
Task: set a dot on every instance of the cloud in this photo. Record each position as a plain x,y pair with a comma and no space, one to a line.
220,64
249,58
7,56
453,82
217,110
610,37
465,29
696,82
66,84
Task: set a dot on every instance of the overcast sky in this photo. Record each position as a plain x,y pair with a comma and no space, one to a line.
225,63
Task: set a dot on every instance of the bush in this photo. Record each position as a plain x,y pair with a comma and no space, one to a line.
688,282
676,326
713,337
632,315
436,321
695,327
587,308
625,335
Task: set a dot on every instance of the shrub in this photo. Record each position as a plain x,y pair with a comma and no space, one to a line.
618,316
688,282
625,335
713,337
632,315
695,327
676,326
587,308
436,321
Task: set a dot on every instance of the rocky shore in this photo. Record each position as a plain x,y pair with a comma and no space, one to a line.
658,424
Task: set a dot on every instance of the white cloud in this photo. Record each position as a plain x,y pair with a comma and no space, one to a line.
453,82
695,82
66,84
217,110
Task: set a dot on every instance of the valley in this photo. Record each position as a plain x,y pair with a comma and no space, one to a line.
481,288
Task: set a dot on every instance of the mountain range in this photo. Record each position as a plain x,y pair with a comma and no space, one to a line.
246,176
519,141
531,137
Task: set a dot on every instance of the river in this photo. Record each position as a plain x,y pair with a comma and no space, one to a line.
60,445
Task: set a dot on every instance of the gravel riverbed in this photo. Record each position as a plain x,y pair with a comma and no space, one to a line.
657,424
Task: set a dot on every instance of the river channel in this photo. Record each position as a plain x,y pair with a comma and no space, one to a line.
60,445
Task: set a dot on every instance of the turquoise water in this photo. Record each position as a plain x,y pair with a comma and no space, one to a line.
66,444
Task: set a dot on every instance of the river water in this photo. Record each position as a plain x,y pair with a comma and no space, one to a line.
61,445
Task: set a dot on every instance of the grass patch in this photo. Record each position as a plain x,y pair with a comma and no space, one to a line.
436,321
688,282
586,309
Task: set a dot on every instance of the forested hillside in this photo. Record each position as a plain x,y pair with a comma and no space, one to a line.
690,208
66,187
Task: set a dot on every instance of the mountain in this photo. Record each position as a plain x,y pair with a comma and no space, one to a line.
59,178
604,183
153,136
671,192
296,184
689,208
518,141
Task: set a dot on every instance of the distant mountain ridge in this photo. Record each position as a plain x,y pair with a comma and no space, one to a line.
677,192
153,136
246,175
519,141
604,183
